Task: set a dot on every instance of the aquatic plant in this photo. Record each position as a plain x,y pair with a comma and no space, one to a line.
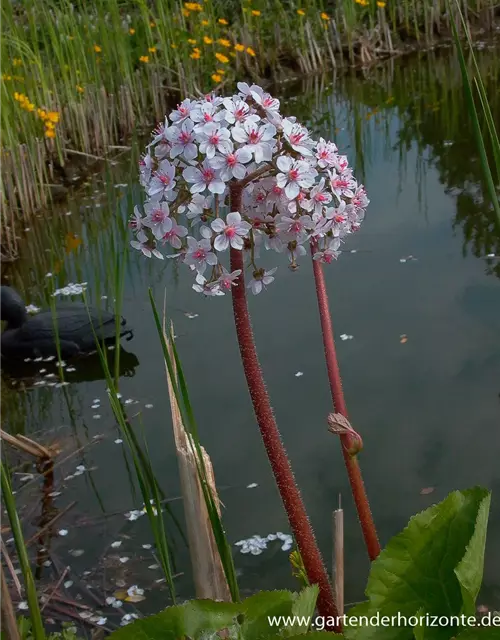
243,177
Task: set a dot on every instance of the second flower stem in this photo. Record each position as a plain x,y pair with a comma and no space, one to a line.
351,462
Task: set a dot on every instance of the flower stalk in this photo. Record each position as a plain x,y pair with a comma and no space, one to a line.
351,461
278,459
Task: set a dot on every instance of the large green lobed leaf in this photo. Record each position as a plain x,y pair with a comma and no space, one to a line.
435,567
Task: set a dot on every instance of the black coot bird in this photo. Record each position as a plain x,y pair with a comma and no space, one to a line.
32,337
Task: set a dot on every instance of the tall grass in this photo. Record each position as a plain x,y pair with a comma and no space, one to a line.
104,69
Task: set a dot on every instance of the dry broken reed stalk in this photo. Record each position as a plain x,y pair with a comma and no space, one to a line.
208,572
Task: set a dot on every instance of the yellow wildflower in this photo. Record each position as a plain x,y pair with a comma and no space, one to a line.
152,49
381,4
193,6
152,24
41,114
97,48
205,23
220,71
222,58
6,77
216,77
79,88
131,31
17,62
50,133
185,13
239,47
251,52
207,40
223,21
192,41
144,59
49,125
255,12
52,116
173,46
224,42
196,55
301,12
325,16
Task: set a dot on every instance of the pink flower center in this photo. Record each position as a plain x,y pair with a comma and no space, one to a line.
225,284
214,139
158,215
185,137
277,190
240,113
297,137
268,102
339,218
230,232
231,160
301,196
296,227
293,174
182,110
208,175
164,178
254,136
327,257
320,197
260,197
339,183
199,254
207,117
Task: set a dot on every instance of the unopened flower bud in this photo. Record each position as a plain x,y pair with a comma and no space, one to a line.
351,440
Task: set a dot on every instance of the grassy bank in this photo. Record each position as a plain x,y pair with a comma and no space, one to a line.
79,78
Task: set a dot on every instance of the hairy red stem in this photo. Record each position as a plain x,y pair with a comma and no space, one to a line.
276,453
351,462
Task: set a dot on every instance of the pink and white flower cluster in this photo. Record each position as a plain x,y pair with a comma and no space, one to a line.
296,191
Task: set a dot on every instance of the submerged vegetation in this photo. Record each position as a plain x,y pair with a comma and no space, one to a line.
78,78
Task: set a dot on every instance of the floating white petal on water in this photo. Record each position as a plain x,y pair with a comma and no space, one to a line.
491,255
32,309
154,566
71,289
118,441
134,590
100,621
346,336
71,369
95,406
120,185
124,559
61,384
110,600
27,477
23,605
252,485
68,584
148,406
190,315
299,374
43,371
116,544
147,546
135,514
62,532
128,618
54,494
96,401
97,416
81,468
354,251
76,553
47,563
128,401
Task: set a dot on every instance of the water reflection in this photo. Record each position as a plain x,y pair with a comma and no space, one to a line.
420,404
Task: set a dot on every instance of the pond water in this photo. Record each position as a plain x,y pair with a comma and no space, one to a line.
417,289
